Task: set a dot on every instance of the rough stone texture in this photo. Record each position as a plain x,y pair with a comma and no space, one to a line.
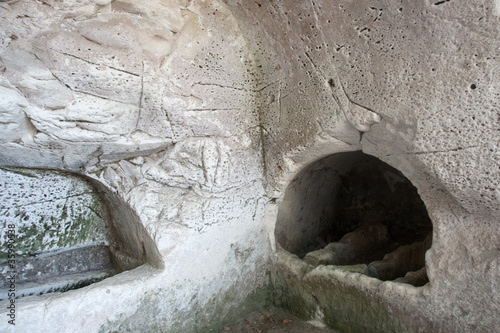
407,258
416,278
347,300
342,192
428,70
157,103
49,211
180,110
275,320
56,272
54,224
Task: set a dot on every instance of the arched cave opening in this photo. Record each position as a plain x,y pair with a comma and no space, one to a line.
62,231
353,209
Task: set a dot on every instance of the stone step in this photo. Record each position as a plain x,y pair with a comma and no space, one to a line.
56,284
56,271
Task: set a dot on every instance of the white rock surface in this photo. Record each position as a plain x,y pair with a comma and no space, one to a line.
185,110
157,102
49,211
427,70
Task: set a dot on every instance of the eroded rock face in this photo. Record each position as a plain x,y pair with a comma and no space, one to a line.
156,102
426,69
55,233
50,211
181,111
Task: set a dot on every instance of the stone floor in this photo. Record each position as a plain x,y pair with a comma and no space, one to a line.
275,320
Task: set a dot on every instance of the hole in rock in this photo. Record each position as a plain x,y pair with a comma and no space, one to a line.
353,209
61,231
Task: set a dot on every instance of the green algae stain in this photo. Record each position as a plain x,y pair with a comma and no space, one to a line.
159,313
343,307
50,211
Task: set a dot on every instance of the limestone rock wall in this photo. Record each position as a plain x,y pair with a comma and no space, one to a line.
183,111
413,83
49,212
156,102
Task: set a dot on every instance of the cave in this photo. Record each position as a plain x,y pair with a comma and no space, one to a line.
237,151
62,231
353,209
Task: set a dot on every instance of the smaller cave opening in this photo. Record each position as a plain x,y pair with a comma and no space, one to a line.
62,231
352,209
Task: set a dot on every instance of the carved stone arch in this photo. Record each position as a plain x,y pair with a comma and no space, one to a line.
63,231
351,208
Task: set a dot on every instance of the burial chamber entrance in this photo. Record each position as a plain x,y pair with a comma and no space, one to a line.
61,231
353,209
